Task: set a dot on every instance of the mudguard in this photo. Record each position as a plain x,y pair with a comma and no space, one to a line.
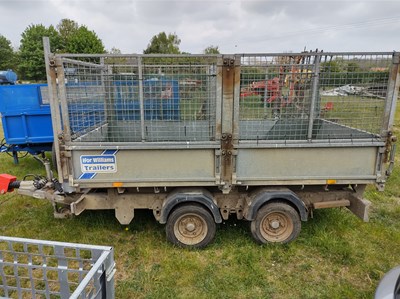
200,196
263,196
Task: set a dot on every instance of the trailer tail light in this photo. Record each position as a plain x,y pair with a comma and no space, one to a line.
5,181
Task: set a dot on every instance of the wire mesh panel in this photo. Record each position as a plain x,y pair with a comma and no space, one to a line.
141,98
304,96
46,269
313,96
85,94
353,91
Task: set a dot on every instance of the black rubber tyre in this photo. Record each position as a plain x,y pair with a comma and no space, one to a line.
190,226
276,222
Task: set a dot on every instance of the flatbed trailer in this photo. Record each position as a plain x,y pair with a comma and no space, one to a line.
191,149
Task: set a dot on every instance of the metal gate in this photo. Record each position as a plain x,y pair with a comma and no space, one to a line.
47,269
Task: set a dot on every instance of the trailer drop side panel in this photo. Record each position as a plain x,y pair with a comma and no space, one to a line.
306,165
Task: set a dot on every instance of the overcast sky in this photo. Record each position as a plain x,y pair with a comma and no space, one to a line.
235,26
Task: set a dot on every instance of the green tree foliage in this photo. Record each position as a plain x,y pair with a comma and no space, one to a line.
66,28
115,60
114,50
78,39
163,44
7,55
353,67
68,37
333,66
31,54
83,40
211,50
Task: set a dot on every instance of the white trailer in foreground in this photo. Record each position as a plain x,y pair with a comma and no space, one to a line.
201,138
48,269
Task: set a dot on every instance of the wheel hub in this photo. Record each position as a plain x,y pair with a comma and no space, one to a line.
274,224
276,227
190,227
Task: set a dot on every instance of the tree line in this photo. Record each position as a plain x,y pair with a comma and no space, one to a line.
70,37
67,37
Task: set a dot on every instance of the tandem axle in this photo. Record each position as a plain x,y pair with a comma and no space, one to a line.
191,214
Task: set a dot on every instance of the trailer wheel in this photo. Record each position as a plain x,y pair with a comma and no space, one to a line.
190,226
276,222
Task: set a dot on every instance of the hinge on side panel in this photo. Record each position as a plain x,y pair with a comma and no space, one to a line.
227,167
52,62
66,154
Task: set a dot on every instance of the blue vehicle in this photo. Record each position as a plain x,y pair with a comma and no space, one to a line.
161,100
26,116
26,119
8,77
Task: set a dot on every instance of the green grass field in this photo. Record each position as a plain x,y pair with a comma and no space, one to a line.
335,256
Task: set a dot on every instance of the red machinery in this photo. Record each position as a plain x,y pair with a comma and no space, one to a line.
273,89
293,77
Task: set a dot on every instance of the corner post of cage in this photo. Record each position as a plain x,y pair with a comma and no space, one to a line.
62,92
228,90
314,95
236,116
236,99
391,95
218,116
141,97
229,70
51,75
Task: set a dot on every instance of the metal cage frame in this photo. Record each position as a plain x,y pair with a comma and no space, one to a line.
289,107
49,269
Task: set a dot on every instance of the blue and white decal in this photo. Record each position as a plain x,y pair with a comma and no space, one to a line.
94,164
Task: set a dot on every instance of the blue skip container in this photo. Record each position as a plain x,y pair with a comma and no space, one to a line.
26,119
